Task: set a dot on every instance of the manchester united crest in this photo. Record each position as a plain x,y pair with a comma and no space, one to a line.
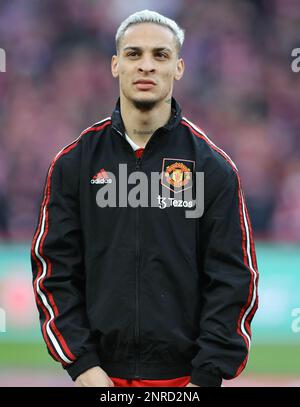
177,174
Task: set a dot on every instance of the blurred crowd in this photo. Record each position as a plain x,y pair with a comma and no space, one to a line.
238,86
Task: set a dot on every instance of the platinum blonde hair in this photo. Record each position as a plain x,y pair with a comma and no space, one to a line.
147,16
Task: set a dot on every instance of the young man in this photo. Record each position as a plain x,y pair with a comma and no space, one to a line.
131,294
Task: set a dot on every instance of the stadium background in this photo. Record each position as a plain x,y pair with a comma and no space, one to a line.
238,86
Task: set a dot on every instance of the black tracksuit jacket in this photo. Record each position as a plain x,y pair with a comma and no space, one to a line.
145,292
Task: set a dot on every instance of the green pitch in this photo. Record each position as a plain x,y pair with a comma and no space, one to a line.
264,359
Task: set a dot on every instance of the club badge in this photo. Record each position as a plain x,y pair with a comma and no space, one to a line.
177,174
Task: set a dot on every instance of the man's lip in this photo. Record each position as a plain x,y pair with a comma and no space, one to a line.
145,81
144,85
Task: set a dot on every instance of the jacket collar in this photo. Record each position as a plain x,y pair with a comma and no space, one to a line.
118,124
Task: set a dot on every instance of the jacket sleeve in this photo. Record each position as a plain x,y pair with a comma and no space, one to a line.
58,271
229,278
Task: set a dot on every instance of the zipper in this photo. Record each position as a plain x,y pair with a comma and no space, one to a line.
138,255
137,325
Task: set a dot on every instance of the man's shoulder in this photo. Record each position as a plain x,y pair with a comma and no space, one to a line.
96,127
91,130
90,133
71,151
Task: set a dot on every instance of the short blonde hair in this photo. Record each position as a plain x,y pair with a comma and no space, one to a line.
147,16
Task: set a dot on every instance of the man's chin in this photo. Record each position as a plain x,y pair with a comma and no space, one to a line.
144,105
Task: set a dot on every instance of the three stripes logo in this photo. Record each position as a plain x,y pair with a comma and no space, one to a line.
101,178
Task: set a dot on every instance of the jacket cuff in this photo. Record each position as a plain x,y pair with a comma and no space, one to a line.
205,378
83,363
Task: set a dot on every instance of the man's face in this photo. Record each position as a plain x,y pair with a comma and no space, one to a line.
147,53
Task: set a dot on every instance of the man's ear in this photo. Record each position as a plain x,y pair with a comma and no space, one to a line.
114,66
179,69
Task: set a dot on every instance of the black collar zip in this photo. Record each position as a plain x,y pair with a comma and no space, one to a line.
118,126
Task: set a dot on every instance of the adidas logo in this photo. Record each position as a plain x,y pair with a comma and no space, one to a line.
101,178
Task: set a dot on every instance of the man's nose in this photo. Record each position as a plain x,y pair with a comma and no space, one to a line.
146,64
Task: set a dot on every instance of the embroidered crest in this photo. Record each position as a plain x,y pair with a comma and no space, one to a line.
177,174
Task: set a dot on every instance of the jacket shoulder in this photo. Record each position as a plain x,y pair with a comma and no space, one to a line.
66,164
96,127
72,151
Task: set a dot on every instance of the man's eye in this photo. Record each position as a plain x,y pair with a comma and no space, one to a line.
161,55
132,54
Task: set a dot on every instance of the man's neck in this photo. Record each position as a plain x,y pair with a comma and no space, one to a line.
140,125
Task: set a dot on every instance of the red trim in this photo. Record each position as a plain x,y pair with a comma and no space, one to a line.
40,303
253,257
48,273
92,128
241,367
252,276
177,382
45,202
252,252
251,241
250,316
52,350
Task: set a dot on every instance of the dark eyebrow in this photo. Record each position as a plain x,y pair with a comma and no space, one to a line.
154,49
